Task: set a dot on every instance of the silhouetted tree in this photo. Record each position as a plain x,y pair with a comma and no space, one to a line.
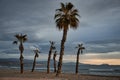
36,51
65,18
54,59
21,39
80,51
52,47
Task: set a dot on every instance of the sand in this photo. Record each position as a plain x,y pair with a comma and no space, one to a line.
36,75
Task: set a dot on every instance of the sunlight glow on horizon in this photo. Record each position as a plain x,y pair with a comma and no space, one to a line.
102,61
111,58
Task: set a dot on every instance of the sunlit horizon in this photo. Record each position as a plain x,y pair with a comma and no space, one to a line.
86,58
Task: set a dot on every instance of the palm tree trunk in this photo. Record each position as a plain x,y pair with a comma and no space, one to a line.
21,63
54,58
61,52
34,62
48,62
21,48
55,66
77,61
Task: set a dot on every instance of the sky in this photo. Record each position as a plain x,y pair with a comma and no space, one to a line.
98,30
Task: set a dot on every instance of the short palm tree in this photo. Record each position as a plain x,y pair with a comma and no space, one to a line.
52,47
21,39
54,59
66,17
36,51
80,51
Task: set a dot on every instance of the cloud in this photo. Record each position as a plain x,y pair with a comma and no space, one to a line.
102,46
35,19
99,22
4,55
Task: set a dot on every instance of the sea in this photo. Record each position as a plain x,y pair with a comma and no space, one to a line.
69,67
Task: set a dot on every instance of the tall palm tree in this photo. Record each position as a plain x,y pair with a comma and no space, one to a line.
36,51
21,39
54,59
52,47
66,17
80,51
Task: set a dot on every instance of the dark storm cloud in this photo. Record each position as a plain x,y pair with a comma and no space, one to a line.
100,20
31,17
99,6
22,17
103,47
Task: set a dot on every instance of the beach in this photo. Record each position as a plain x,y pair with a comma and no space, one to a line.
12,74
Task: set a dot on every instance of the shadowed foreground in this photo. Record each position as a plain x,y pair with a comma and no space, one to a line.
27,75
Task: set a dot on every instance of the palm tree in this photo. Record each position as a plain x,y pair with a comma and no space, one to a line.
49,55
65,18
21,39
36,51
54,59
80,51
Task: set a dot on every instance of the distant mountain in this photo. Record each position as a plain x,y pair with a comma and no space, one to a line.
16,61
13,60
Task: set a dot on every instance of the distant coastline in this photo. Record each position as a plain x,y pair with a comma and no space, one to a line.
104,69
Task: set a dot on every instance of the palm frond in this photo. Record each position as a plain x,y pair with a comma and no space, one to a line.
24,36
53,43
36,51
50,42
74,11
24,39
15,42
75,14
81,44
59,23
53,47
21,37
69,6
58,10
17,36
57,15
62,6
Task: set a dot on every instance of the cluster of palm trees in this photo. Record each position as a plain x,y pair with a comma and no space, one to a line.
65,17
22,38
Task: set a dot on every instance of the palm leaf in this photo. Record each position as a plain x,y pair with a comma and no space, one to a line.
24,36
57,15
62,7
24,39
54,47
17,36
15,42
69,6
59,10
